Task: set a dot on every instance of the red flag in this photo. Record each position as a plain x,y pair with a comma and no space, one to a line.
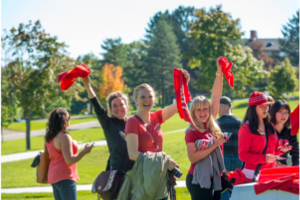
182,95
226,69
69,77
294,117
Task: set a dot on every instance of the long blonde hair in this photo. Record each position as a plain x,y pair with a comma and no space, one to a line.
211,124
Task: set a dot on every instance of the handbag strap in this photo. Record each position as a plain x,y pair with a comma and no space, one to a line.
149,131
263,152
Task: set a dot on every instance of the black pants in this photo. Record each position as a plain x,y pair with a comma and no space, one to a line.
198,193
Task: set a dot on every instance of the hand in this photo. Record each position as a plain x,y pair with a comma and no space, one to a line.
86,81
284,148
186,75
279,164
219,141
172,164
219,67
270,158
88,148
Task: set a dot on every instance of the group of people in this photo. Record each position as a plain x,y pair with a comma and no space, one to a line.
135,143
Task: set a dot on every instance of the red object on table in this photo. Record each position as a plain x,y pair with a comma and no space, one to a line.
182,95
294,117
226,69
281,178
69,77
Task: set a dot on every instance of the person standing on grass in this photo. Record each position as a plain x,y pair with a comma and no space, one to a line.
280,113
253,137
113,126
144,137
62,172
230,123
203,114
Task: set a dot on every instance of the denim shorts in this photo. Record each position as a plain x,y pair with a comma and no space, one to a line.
65,190
232,162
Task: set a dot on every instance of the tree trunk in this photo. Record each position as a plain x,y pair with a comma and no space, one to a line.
28,131
2,139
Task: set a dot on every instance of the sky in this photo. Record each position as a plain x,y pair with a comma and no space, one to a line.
84,24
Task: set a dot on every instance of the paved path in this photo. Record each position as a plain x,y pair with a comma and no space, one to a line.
49,188
13,135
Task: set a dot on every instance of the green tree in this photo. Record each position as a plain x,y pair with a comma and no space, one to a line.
290,43
36,59
212,34
282,79
115,52
246,69
162,57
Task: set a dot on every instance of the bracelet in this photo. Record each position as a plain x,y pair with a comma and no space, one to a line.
219,74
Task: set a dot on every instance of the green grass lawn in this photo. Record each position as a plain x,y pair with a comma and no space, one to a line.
37,125
181,194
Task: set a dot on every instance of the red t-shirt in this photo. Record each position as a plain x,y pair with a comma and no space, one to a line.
251,147
192,136
146,142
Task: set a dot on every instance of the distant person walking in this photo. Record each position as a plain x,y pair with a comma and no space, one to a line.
230,123
62,173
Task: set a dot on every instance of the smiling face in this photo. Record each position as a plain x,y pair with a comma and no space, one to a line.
202,113
282,116
118,108
262,111
145,99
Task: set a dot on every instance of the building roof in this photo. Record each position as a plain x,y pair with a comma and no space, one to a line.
266,41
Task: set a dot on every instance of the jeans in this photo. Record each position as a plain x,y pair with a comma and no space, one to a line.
198,193
232,162
65,190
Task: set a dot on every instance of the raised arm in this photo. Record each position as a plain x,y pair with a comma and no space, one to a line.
169,111
216,92
99,109
87,83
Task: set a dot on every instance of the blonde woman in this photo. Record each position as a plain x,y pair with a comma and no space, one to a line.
204,115
143,132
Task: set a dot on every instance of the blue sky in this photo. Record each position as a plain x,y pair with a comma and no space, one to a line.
84,24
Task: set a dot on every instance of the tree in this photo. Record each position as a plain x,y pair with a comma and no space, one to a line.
36,59
259,52
211,33
115,52
290,43
163,56
282,79
112,81
246,69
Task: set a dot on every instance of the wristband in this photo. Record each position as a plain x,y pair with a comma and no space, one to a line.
219,74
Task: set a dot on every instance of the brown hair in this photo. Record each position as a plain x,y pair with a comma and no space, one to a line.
276,107
57,122
117,94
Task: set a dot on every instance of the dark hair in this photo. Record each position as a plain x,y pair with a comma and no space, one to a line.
57,122
252,117
276,107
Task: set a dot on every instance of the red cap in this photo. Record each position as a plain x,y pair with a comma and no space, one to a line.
69,77
258,98
294,117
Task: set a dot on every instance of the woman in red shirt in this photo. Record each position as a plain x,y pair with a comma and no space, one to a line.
62,172
252,137
139,140
204,115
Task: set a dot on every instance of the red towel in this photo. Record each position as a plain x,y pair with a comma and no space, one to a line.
286,183
294,117
182,95
69,77
226,69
